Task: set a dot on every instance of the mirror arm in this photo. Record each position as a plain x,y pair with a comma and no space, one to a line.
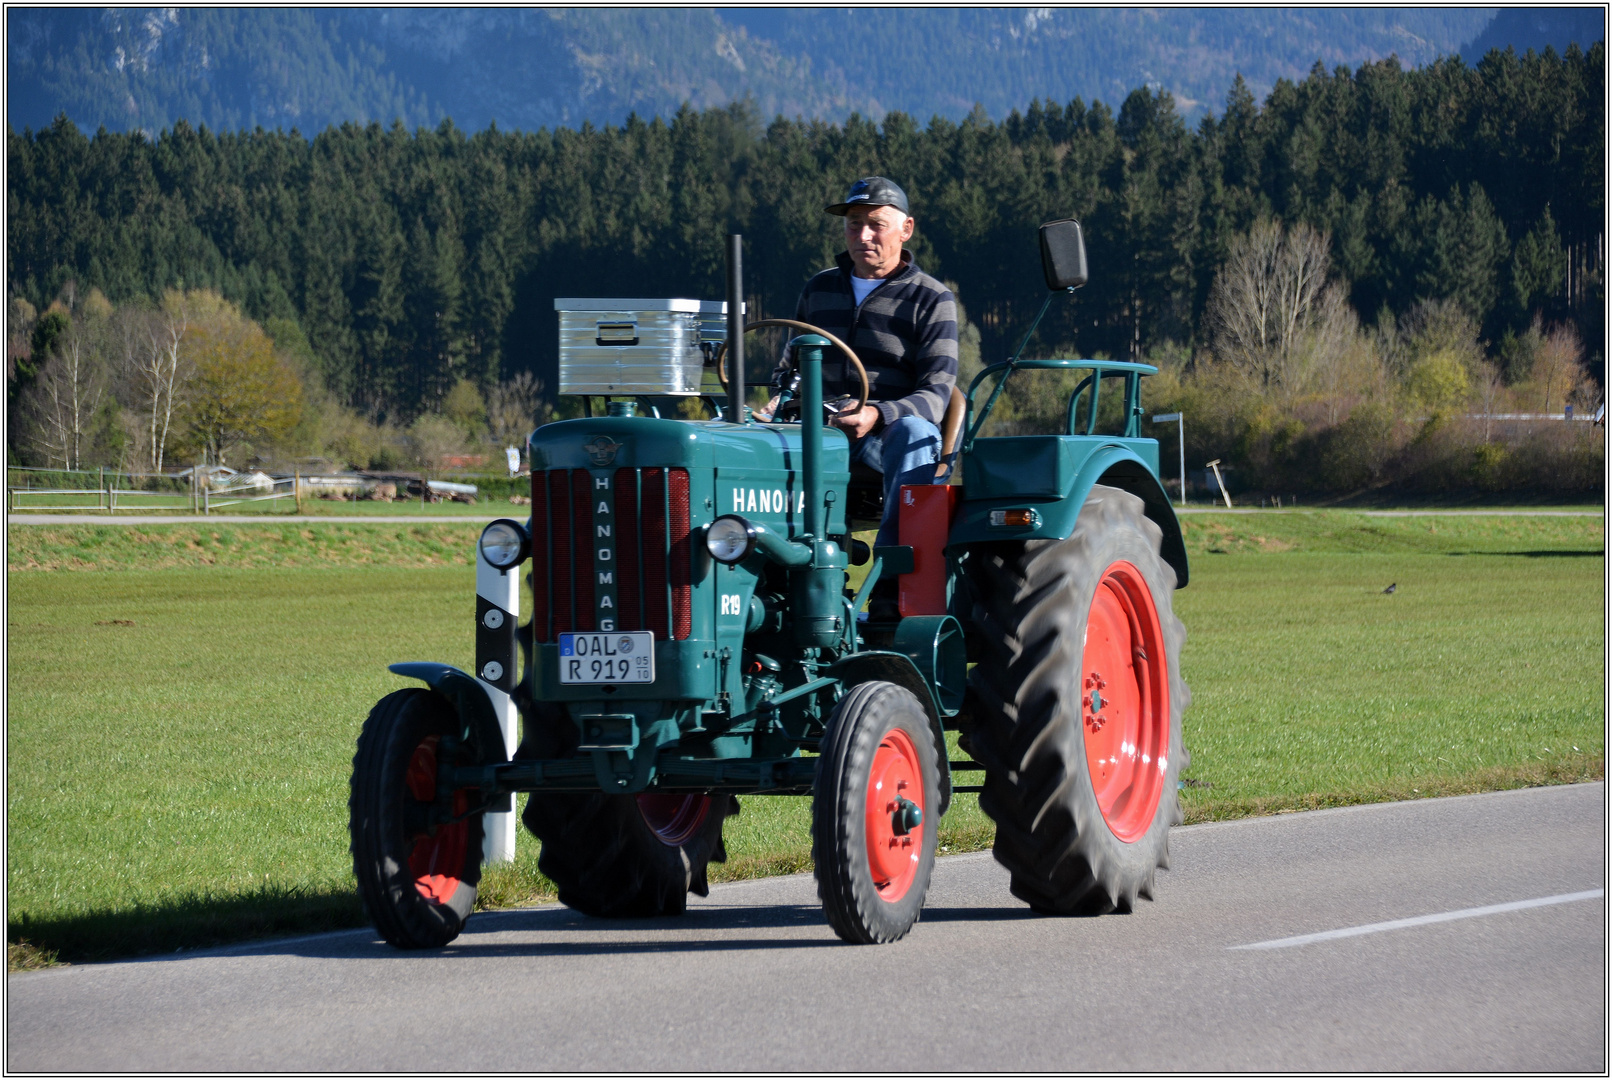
996,392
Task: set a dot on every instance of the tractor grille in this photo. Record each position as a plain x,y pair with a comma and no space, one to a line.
653,551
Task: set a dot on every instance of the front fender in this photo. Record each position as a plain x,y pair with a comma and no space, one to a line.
898,668
469,699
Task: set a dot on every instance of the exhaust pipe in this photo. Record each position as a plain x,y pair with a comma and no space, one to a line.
735,330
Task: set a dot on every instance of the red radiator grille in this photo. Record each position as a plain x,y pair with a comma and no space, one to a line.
653,550
681,555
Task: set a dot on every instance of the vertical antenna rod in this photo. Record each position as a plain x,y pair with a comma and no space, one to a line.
735,329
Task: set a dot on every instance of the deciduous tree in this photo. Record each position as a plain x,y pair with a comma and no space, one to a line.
1268,298
62,402
240,391
515,407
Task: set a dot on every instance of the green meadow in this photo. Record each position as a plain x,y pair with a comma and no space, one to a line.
184,699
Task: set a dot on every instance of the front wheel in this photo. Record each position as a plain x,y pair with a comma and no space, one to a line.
875,814
417,882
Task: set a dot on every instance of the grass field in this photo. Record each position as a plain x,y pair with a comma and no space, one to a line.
85,507
180,728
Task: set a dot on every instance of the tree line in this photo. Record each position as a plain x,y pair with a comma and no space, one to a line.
146,387
412,263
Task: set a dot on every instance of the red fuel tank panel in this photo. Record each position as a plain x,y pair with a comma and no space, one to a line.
925,522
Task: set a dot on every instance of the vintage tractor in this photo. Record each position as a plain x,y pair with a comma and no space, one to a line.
694,639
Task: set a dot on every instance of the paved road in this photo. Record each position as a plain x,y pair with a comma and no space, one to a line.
1393,513
752,979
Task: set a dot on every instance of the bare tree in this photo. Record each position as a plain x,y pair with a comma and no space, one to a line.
1491,384
1437,326
433,439
1558,366
515,407
1267,297
148,349
64,398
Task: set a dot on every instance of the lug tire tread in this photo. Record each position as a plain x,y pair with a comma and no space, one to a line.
403,917
1028,602
852,905
607,862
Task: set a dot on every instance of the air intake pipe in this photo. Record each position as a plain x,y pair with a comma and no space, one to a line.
736,412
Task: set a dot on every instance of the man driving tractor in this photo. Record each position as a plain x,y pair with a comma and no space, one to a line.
902,324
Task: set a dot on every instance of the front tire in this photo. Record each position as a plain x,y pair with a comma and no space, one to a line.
1079,700
629,856
875,814
418,884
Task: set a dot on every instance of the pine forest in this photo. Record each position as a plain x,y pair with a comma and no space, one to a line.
1342,285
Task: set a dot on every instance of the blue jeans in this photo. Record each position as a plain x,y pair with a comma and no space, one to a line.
905,452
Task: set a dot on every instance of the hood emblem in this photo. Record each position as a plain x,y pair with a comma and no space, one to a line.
601,450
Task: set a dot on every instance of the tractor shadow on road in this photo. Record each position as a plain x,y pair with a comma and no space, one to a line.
552,930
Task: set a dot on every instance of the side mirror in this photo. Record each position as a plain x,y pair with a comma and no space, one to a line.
1063,255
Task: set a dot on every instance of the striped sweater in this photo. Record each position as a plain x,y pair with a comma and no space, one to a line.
905,334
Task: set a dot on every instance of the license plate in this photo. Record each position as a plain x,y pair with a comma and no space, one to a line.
607,658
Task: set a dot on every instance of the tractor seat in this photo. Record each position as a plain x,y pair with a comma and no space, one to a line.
864,499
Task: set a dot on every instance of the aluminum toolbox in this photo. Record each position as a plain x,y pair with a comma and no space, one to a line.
618,346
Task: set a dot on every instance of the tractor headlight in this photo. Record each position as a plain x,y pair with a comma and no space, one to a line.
729,538
503,543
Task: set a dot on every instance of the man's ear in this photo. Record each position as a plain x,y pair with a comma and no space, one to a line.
906,229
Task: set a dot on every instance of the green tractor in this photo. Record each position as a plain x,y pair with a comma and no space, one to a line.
694,638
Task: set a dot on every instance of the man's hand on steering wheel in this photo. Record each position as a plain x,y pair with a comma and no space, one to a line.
856,422
855,419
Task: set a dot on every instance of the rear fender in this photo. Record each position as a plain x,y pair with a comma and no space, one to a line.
1110,464
1117,467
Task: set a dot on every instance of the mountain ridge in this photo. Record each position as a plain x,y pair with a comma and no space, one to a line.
525,69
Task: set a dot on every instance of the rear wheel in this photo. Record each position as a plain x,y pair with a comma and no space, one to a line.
1078,700
417,882
875,813
629,856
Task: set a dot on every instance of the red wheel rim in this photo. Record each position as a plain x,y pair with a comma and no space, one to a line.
1125,704
435,862
674,819
896,776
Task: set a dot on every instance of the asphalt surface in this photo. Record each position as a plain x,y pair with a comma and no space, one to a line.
752,979
1393,513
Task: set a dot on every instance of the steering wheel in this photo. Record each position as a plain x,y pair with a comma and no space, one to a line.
856,362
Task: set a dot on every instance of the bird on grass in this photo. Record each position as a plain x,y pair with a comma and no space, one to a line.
1391,588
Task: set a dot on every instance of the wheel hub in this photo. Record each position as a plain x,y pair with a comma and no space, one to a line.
907,817
1095,683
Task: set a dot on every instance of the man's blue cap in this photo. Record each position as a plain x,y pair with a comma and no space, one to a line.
872,191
